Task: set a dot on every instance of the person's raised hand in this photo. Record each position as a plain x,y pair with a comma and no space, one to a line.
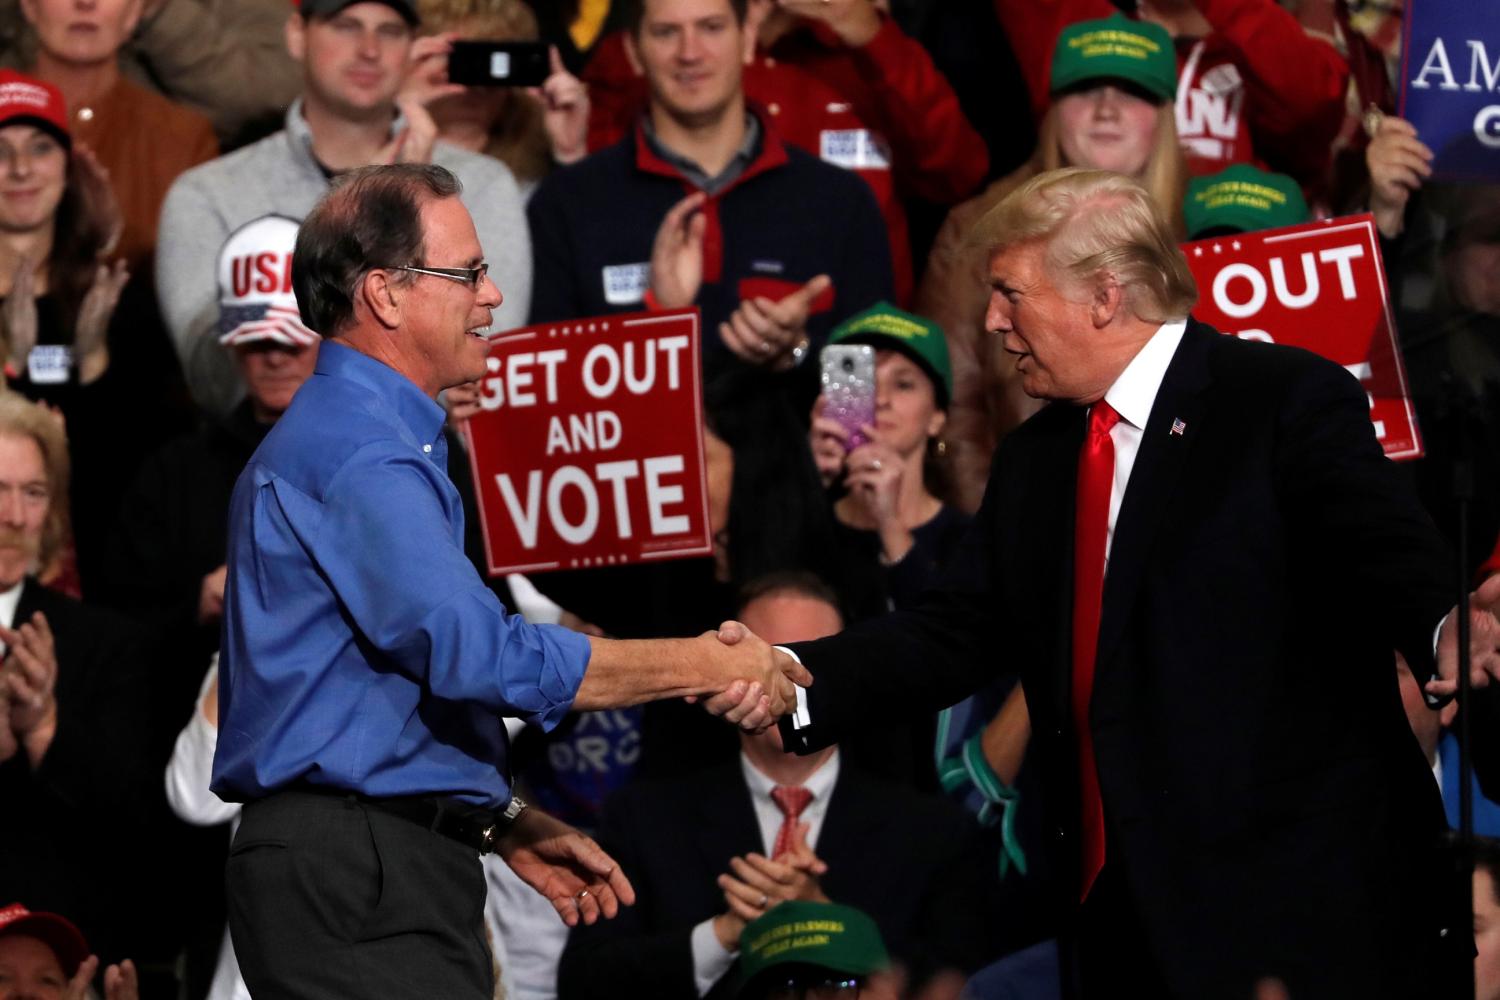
90,336
565,866
462,402
77,988
766,333
1399,163
677,253
30,673
414,143
425,78
211,596
18,316
874,479
829,441
565,111
120,982
1484,642
854,21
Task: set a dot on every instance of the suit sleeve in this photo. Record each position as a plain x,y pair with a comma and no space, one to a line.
1350,501
911,661
600,957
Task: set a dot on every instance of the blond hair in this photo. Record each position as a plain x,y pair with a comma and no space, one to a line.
1165,173
1094,223
518,138
21,418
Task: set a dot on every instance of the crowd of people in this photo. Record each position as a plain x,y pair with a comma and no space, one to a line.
805,173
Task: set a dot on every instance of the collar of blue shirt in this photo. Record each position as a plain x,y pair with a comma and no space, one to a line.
421,415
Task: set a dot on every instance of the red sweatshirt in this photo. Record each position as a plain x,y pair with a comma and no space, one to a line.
883,110
1258,89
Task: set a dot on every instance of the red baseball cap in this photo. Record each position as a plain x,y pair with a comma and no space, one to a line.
57,933
34,102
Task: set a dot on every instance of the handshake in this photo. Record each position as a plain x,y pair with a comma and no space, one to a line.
761,680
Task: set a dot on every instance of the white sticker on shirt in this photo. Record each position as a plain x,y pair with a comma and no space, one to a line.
49,364
626,284
854,149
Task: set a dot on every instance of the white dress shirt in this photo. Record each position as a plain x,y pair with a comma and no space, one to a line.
710,958
8,601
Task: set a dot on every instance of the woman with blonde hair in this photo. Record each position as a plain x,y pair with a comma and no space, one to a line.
1113,82
528,129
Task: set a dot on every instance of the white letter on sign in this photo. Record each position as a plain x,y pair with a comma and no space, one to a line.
673,346
658,496
597,389
1342,256
1437,62
615,473
1252,305
525,520
1477,60
1487,126
1309,281
573,534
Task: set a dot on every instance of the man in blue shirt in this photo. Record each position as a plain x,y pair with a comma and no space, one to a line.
366,667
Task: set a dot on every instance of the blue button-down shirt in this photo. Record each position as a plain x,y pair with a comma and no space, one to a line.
360,649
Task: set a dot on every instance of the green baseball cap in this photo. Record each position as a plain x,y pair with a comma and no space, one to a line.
1116,48
1244,198
825,935
919,338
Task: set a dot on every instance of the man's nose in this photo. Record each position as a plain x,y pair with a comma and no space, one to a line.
490,295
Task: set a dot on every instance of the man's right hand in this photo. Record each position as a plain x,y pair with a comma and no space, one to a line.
677,253
211,596
766,684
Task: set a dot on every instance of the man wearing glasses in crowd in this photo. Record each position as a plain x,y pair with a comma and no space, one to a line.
366,667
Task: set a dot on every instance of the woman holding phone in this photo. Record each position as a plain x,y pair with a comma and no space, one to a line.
890,521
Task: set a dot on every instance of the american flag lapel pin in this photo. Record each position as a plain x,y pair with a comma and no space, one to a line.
1178,427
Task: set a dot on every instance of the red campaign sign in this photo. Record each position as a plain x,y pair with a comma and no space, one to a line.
1319,286
588,447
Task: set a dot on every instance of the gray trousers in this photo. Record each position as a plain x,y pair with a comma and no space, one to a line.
330,898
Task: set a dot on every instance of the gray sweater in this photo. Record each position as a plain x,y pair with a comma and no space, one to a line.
279,175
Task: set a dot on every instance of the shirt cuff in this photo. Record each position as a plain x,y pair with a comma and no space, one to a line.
802,717
710,960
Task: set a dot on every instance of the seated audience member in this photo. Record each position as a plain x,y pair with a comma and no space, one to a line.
73,705
353,58
844,83
142,139
225,59
810,949
774,246
1241,199
1111,110
1254,86
67,338
45,955
166,560
528,130
710,852
1487,921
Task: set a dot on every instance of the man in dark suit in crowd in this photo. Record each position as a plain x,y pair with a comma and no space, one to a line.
712,850
1229,773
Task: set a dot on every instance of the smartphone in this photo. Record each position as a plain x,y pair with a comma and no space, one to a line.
849,388
498,64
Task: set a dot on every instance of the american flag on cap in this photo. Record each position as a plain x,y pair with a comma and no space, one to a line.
256,301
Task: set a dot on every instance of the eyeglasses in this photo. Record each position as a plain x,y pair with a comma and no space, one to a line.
471,276
805,989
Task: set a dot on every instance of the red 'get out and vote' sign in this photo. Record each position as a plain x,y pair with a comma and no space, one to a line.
588,447
1318,286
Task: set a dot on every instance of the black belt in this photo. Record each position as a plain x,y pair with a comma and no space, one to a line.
470,825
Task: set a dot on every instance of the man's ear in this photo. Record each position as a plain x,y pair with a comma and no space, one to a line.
1107,301
632,53
381,297
296,36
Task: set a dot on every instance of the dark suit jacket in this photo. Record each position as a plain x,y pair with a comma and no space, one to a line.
69,825
913,862
1263,792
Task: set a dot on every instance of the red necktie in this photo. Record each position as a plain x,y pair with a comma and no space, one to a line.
1096,478
791,800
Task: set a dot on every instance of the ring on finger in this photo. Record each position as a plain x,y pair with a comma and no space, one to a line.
582,894
874,465
764,899
764,346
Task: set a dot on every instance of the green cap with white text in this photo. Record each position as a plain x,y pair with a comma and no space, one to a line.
1242,198
1116,48
919,338
825,935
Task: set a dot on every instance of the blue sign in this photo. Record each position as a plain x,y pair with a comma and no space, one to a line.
1450,84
